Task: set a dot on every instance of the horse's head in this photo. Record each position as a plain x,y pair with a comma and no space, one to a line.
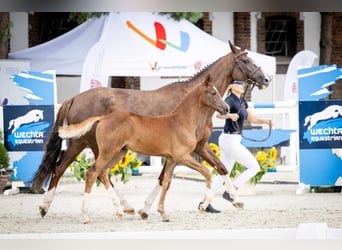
245,70
212,98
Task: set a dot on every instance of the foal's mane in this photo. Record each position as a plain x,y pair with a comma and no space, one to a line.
184,97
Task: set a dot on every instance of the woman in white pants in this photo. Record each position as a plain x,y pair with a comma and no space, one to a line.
231,149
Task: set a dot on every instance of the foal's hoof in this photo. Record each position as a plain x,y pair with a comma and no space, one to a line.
239,205
142,214
130,211
118,215
87,222
166,220
42,211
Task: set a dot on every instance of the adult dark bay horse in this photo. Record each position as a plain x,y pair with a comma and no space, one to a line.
100,101
123,130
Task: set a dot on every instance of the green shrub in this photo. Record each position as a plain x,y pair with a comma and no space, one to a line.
4,158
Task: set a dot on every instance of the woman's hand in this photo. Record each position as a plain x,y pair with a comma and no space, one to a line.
269,122
233,116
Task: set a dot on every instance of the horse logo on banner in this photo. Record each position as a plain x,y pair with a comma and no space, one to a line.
322,125
34,115
332,111
26,127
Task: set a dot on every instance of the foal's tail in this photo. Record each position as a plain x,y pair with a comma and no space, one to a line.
77,130
53,150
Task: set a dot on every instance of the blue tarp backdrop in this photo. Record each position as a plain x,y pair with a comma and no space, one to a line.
27,125
320,127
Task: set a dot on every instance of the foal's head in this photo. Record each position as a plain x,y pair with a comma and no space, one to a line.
211,98
245,70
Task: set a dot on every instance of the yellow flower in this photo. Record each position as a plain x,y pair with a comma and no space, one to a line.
271,165
261,157
216,151
205,163
115,168
123,162
273,154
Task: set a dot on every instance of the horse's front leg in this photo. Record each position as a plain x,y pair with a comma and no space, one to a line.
204,150
67,158
194,164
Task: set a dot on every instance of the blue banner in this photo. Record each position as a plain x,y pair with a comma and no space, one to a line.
28,119
320,127
27,127
320,124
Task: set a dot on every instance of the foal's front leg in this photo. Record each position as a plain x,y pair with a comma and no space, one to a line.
152,196
166,181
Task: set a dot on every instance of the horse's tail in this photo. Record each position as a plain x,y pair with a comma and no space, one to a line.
307,119
53,150
77,130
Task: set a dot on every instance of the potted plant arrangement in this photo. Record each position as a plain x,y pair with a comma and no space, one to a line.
4,164
124,169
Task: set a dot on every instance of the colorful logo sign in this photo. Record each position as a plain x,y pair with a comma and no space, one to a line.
321,123
161,41
27,127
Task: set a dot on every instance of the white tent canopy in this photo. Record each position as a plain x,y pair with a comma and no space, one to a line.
66,53
131,44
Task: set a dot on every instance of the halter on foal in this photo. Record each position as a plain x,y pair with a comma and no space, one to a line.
123,130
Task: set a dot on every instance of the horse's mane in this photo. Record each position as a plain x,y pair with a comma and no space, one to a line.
195,76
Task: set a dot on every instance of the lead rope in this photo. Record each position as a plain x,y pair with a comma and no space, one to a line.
236,125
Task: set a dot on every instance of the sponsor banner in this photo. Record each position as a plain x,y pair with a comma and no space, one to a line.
321,167
320,127
25,164
27,127
320,124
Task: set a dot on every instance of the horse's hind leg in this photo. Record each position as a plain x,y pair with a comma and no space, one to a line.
67,158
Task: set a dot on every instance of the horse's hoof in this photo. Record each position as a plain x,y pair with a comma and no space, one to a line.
239,205
87,222
42,211
200,207
142,214
118,215
166,220
130,211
